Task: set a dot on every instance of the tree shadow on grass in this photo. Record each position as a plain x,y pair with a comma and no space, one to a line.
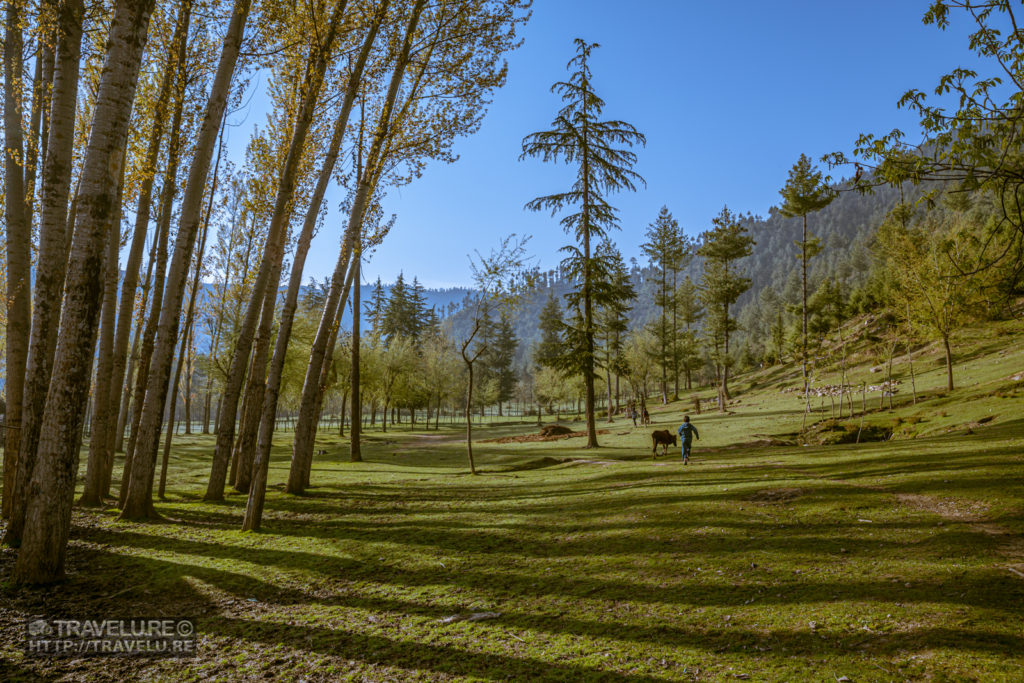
246,612
979,589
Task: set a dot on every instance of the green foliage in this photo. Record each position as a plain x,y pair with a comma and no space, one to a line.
806,190
722,285
971,149
546,353
602,153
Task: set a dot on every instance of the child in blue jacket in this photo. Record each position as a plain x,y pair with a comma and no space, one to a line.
687,432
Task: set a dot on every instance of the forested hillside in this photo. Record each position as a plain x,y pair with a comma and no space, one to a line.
846,228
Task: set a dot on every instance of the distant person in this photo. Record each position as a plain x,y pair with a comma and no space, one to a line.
632,414
647,417
687,431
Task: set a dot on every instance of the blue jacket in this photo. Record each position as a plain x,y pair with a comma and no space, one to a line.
688,431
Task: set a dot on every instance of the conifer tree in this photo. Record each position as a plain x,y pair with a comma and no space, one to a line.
664,248
806,191
374,308
502,356
612,313
601,153
690,312
721,247
546,353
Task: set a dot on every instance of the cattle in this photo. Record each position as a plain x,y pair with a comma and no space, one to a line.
662,437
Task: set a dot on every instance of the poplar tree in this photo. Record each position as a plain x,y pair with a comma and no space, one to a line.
601,152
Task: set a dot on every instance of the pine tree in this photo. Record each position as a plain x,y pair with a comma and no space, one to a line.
663,248
806,191
721,247
502,350
547,352
690,312
600,150
612,312
395,321
374,308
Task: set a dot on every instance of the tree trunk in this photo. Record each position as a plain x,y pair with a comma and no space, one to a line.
18,230
140,502
189,322
724,391
46,298
355,454
949,362
189,358
305,430
263,387
469,406
92,495
48,512
133,358
803,315
115,434
157,305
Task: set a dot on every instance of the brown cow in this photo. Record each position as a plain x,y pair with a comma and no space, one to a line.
662,437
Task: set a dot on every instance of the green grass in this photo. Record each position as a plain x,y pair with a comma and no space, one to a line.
876,561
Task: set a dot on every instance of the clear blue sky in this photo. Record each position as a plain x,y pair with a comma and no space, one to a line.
728,95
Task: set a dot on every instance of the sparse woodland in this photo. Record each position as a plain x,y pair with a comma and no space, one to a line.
168,358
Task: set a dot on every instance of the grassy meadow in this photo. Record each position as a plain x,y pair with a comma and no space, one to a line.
764,559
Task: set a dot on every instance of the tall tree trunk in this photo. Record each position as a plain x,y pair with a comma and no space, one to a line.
803,315
355,452
186,337
157,305
92,495
302,469
41,81
48,511
19,244
469,407
109,441
188,376
133,358
725,364
56,183
139,503
675,329
949,362
244,448
305,430
263,387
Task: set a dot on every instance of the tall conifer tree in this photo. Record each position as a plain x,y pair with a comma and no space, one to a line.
601,153
806,191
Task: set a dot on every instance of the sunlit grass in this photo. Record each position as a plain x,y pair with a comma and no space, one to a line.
876,561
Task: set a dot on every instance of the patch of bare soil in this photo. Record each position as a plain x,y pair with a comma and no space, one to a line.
546,461
759,443
555,430
945,508
781,495
428,440
528,438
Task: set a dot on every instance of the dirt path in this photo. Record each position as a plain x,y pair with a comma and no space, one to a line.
427,441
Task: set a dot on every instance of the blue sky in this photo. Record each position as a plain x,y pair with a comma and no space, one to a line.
728,94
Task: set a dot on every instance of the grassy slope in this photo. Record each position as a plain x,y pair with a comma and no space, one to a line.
879,561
